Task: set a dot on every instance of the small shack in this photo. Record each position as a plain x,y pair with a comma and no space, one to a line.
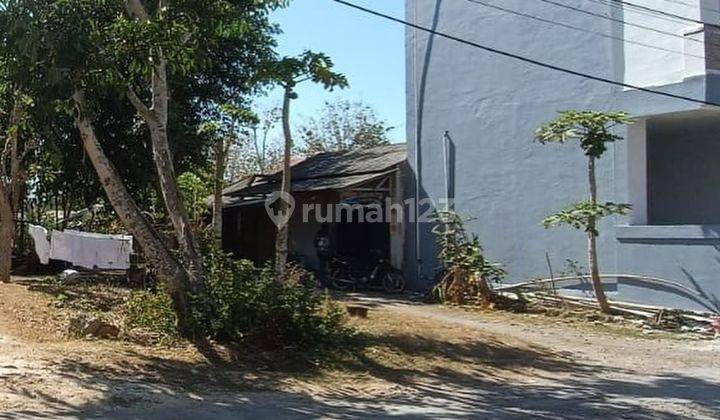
355,196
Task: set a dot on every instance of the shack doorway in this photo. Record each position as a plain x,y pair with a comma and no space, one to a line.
249,233
363,238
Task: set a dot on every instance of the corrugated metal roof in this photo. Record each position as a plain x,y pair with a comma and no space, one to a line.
239,185
347,163
326,171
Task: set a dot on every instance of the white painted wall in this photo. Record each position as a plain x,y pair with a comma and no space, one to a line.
645,66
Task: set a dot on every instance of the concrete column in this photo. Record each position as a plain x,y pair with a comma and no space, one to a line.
397,225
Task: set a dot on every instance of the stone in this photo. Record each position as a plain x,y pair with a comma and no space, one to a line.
102,329
85,325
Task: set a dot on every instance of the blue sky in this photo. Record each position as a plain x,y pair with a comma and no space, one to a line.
368,50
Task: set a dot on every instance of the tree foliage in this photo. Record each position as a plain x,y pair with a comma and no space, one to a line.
308,66
215,49
580,215
593,129
343,125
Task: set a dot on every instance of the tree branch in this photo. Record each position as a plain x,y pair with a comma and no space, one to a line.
160,91
135,8
31,144
10,152
4,156
139,105
79,97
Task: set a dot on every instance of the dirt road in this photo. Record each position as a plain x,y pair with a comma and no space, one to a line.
427,362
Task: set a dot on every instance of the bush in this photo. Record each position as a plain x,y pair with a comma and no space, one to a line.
151,312
468,272
250,306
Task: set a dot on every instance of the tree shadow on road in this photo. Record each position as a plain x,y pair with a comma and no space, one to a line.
423,377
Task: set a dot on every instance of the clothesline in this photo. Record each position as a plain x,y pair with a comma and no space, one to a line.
83,249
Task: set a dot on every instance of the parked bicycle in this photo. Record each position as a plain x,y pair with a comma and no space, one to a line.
347,274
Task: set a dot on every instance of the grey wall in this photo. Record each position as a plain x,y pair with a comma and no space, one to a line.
683,170
491,106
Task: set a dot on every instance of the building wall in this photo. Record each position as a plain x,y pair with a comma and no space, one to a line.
490,106
671,58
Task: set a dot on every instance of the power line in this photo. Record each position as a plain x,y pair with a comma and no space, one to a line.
601,34
523,58
624,22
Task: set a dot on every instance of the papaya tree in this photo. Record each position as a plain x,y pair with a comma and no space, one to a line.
594,131
288,73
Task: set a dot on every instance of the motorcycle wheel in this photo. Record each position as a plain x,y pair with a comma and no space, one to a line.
342,283
394,282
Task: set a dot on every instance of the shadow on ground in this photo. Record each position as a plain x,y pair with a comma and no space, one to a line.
426,378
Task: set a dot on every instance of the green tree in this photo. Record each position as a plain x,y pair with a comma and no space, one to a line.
289,72
593,131
260,152
204,52
228,131
343,125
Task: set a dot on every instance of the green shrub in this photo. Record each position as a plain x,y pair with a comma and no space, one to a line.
247,306
250,306
151,311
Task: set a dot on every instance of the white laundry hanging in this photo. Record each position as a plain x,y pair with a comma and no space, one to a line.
42,245
91,250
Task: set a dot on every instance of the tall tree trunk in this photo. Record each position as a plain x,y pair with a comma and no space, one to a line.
281,241
169,270
12,184
12,179
156,117
220,164
7,234
592,243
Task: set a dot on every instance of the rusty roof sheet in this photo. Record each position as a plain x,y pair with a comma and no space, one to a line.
326,171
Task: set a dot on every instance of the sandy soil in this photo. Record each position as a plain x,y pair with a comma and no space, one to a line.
418,361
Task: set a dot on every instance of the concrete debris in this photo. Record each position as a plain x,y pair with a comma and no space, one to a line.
649,319
69,275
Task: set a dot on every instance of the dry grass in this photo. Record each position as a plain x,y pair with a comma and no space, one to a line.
387,350
399,351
